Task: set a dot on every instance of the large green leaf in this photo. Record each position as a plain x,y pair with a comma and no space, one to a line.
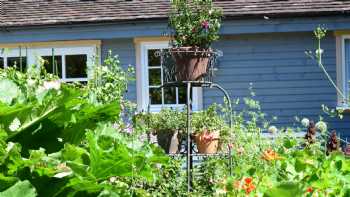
21,188
62,115
288,189
8,91
6,182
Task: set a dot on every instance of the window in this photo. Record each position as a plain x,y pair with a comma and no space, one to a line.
343,69
69,63
13,58
346,83
150,78
1,62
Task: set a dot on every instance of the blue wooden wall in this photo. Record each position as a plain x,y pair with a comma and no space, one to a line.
285,80
125,49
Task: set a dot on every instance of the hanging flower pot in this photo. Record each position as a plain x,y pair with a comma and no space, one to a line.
194,26
207,142
191,63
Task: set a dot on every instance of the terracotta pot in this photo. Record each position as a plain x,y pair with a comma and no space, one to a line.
168,140
191,63
207,142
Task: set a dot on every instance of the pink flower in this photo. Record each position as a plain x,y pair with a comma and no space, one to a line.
208,136
128,129
230,146
205,25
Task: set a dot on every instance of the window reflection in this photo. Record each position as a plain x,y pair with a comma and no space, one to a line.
76,66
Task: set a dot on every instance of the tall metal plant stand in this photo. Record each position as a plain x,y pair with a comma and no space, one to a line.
189,151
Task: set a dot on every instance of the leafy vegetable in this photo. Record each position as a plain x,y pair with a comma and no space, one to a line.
21,188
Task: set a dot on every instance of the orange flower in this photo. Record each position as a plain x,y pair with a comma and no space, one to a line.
270,155
247,185
249,188
248,180
309,190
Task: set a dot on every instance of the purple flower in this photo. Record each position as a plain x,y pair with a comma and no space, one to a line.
205,25
129,130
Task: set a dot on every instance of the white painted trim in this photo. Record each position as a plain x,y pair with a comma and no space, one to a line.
341,70
142,82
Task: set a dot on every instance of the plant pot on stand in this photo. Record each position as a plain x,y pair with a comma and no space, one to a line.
207,142
169,140
191,63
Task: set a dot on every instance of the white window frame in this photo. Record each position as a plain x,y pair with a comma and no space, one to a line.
342,80
33,53
142,80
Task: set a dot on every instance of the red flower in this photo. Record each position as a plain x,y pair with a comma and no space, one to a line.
248,185
248,180
309,190
249,188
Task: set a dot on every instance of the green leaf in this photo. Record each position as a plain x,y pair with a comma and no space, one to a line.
289,143
6,182
299,165
21,188
288,189
8,91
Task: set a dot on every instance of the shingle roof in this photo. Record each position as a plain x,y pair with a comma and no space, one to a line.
50,12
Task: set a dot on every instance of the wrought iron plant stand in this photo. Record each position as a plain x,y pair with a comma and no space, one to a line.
206,82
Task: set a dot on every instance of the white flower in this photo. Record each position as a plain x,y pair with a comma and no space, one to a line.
63,174
272,129
10,145
30,82
40,90
52,85
322,126
112,179
105,68
60,139
15,124
305,122
319,52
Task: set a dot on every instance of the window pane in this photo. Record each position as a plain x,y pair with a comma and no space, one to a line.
16,61
347,66
155,95
154,77
1,62
49,66
153,58
182,95
170,95
76,66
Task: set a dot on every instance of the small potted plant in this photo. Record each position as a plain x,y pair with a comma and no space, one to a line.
208,127
168,125
195,25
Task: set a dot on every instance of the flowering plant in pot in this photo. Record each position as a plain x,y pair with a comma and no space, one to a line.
195,24
209,127
168,125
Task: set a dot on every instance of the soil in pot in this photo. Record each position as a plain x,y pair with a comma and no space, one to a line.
169,141
191,63
207,142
